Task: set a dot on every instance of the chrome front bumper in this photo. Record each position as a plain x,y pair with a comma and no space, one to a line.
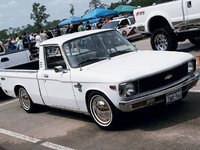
158,95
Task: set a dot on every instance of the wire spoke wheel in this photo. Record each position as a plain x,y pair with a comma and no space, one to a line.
25,100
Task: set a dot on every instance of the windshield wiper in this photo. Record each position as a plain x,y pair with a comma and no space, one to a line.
91,60
119,53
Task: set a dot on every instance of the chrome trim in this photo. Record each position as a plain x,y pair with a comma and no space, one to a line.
126,106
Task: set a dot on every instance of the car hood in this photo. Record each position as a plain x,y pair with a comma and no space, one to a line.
134,65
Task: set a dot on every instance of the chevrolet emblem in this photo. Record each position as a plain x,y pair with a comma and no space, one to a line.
169,76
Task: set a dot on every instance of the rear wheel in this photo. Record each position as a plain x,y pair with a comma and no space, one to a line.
195,39
26,101
103,112
163,39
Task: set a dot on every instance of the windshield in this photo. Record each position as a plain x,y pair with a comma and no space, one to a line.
96,47
110,25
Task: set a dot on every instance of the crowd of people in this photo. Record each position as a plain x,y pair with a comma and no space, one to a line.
77,27
26,41
32,41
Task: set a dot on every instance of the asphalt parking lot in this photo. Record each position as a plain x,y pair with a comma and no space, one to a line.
169,127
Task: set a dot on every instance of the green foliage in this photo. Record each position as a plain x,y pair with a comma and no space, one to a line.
141,3
95,3
3,35
39,15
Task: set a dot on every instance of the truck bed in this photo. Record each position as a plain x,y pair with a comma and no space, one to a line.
34,65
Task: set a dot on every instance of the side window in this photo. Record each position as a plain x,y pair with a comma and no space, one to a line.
54,57
124,23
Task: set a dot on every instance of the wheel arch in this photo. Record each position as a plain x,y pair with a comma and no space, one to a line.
98,91
157,22
16,89
88,93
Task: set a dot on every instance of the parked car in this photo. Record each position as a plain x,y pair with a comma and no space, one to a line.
99,72
125,26
169,23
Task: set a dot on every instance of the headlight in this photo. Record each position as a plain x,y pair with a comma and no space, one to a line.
191,66
127,89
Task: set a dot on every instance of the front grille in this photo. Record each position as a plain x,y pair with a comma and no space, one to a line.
163,78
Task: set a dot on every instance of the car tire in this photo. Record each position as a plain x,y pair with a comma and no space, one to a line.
164,39
25,101
103,112
195,39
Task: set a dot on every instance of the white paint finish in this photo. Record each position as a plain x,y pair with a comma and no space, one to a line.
14,59
19,136
55,146
134,65
172,11
195,91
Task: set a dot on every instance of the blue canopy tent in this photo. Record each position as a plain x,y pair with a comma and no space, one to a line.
71,20
99,13
124,8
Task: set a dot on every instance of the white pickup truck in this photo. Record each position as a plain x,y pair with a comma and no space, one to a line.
15,58
98,72
170,23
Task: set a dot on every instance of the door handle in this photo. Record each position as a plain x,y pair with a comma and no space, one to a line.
189,4
4,59
46,75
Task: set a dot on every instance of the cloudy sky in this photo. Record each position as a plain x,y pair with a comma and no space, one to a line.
16,13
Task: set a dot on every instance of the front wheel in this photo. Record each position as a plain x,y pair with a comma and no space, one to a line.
103,112
26,101
163,39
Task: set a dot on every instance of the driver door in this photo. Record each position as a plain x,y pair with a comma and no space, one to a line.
192,11
56,87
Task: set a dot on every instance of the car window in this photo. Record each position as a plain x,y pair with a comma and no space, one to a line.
124,23
53,57
110,25
96,47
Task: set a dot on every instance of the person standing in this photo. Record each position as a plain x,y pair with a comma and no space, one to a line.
88,26
20,45
58,32
25,41
38,40
43,35
11,45
81,27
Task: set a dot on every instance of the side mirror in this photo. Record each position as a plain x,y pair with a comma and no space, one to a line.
58,69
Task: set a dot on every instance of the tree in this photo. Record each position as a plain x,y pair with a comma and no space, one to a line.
72,9
94,3
125,1
3,35
39,15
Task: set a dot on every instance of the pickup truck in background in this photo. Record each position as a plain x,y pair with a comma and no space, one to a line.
125,26
170,23
15,58
99,72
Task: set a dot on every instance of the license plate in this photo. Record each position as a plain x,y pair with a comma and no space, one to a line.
171,97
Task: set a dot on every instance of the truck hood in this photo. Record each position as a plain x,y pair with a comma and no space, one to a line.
135,65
